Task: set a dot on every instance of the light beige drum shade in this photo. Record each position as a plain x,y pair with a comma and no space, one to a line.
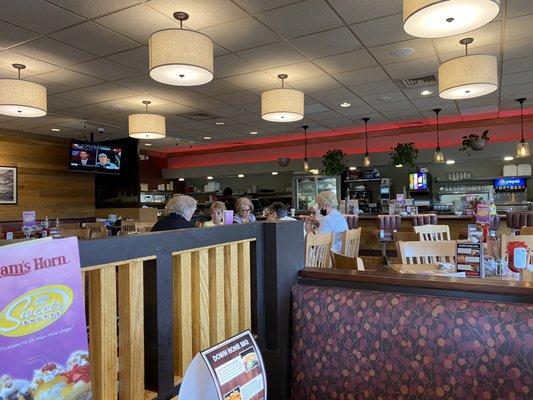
20,98
181,57
146,126
282,105
468,77
441,18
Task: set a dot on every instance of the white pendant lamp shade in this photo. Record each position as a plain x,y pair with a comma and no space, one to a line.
282,105
20,98
180,57
468,76
146,126
441,18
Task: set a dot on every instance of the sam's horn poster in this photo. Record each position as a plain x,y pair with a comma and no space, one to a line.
43,336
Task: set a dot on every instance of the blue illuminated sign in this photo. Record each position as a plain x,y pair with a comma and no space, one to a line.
509,181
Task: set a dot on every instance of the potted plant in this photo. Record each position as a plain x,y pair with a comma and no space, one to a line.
474,142
404,154
333,162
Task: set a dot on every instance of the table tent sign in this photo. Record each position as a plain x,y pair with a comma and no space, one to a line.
43,336
231,370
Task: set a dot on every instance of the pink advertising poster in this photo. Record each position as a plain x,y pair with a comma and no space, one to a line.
43,336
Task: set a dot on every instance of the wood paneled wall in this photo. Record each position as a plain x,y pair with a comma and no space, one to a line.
44,182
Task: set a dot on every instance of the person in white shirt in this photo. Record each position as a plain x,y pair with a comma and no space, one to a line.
332,220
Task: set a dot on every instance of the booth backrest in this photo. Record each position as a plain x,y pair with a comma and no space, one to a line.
351,344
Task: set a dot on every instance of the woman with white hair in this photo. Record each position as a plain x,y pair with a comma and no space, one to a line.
180,210
331,221
244,210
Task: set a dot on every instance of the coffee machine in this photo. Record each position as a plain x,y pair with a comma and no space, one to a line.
385,194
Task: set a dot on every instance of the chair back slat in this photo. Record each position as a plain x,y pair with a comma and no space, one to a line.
317,249
81,233
526,230
346,262
351,240
433,233
427,252
127,226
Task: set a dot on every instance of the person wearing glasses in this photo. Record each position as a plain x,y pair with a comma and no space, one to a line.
243,211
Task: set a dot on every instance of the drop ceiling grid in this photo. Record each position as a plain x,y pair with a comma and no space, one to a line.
372,12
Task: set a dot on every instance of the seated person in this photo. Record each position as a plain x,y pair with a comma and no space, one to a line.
332,220
278,212
244,209
180,210
217,214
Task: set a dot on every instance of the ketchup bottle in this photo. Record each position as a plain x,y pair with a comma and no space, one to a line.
517,256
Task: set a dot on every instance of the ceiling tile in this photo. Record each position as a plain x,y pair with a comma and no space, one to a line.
95,39
238,98
253,80
230,64
315,84
405,69
516,8
178,94
331,94
251,34
33,66
518,65
493,50
51,87
142,83
519,27
489,34
255,6
72,79
94,8
373,74
422,48
137,22
135,58
202,14
362,10
381,31
334,41
296,71
517,49
389,97
374,88
350,61
416,92
311,108
355,103
301,18
105,69
216,87
400,105
11,35
54,52
229,111
272,55
37,15
517,78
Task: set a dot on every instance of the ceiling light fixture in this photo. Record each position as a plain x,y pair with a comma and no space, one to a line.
148,144
314,171
282,105
180,57
345,104
305,164
366,159
181,179
403,52
467,76
20,98
439,154
352,168
253,133
522,147
209,178
274,173
508,158
441,18
426,92
399,165
219,123
450,162
207,137
55,130
146,126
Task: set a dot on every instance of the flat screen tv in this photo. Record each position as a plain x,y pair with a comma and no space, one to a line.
95,157
418,181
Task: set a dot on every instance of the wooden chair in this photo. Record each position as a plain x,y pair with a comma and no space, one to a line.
317,249
427,252
526,230
80,233
401,236
127,226
528,239
345,262
433,233
144,226
350,242
69,225
98,230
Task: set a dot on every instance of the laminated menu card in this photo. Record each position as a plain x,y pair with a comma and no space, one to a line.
470,259
43,335
231,370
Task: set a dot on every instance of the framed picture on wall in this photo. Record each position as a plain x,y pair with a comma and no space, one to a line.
8,185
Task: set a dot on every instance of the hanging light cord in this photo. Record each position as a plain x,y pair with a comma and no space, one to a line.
437,111
522,119
366,136
305,141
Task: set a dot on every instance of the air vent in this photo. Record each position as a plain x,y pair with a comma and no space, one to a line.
420,81
199,116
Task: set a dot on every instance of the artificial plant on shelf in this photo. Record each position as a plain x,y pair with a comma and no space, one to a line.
404,154
474,142
334,162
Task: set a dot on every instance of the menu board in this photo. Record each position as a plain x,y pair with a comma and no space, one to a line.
231,370
470,259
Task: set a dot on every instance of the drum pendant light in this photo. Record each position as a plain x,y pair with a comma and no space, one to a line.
305,164
146,126
522,147
282,105
366,158
20,98
180,57
439,154
467,77
441,18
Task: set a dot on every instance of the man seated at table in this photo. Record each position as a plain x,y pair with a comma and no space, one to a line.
278,212
180,211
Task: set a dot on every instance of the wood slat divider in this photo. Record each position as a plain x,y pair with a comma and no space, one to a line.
245,306
183,340
103,332
114,264
216,294
131,330
200,300
231,276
